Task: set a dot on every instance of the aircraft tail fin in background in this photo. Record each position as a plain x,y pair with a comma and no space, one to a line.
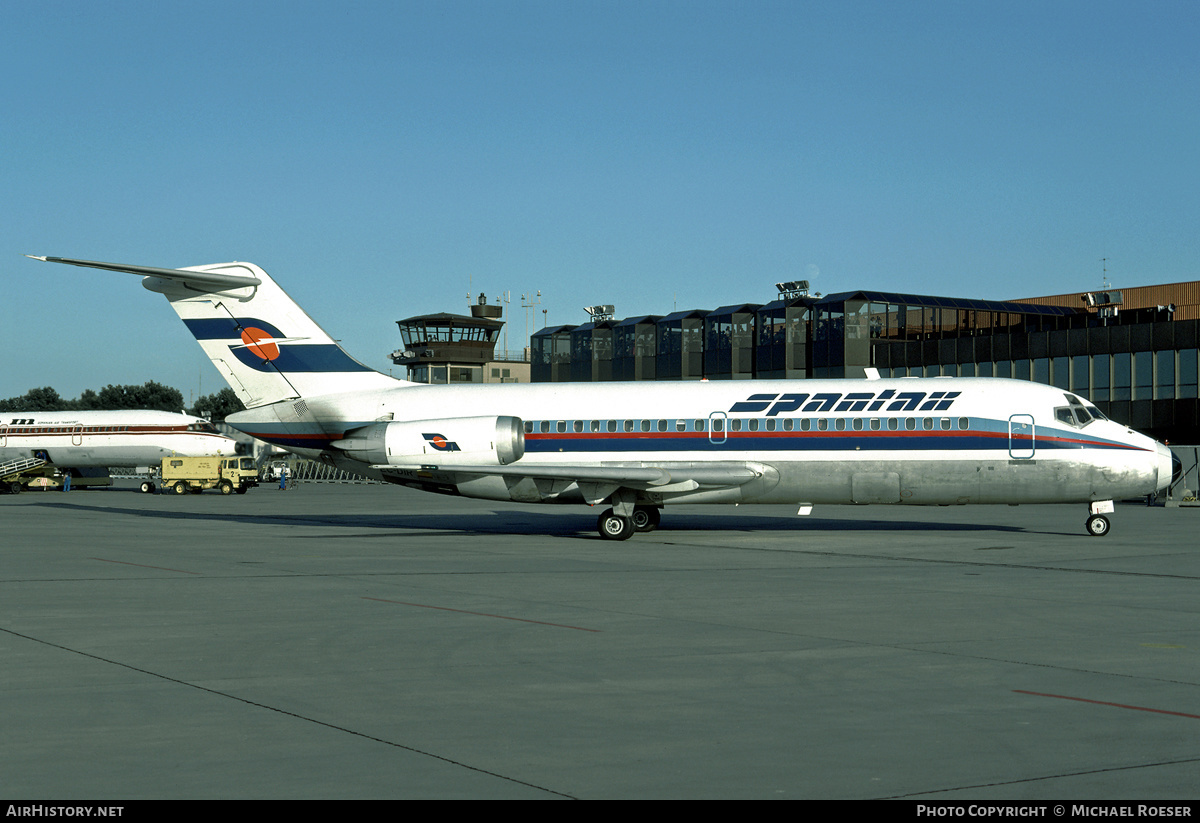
266,347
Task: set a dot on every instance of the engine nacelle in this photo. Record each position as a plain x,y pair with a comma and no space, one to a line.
463,441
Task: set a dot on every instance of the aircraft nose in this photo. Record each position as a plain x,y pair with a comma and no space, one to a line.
1170,467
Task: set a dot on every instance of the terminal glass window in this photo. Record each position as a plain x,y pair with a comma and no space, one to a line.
1187,373
1079,374
1060,372
1041,370
1122,379
1143,375
1101,379
1164,366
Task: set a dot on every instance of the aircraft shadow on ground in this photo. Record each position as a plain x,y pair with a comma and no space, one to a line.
565,523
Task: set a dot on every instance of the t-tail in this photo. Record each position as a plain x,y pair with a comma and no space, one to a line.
266,347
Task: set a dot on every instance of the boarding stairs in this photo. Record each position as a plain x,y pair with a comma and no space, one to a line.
13,469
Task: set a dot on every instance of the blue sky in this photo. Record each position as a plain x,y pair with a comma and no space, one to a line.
379,159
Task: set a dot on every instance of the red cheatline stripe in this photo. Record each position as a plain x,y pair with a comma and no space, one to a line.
481,614
1104,703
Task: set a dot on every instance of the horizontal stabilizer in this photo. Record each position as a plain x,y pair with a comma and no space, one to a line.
201,280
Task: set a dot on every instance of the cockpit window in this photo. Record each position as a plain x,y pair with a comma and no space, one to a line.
1078,413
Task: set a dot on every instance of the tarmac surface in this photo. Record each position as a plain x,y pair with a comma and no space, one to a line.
377,642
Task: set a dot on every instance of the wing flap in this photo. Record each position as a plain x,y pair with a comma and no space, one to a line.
664,478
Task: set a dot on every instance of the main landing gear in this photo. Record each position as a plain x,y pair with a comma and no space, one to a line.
613,526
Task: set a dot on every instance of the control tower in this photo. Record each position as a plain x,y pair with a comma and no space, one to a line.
455,348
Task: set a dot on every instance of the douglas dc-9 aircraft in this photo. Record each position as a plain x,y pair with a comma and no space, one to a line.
634,447
91,439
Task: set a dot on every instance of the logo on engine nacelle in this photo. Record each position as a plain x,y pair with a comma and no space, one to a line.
439,442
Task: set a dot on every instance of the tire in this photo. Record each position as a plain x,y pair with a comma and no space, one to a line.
614,527
646,518
226,487
147,487
1098,525
180,487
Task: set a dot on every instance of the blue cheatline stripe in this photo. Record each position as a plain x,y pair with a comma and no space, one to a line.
803,442
322,357
977,438
226,328
293,357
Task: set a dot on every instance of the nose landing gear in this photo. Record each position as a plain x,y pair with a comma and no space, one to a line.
1097,525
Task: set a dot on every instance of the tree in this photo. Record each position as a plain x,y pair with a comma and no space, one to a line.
150,395
45,399
217,406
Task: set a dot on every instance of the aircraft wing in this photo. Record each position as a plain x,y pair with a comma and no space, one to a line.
598,482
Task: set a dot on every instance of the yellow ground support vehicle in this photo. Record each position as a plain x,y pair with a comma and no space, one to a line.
195,474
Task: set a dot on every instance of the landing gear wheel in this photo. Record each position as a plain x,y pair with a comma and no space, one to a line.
180,487
1097,525
645,518
147,487
614,527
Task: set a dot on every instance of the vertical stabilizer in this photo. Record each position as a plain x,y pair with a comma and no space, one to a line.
266,347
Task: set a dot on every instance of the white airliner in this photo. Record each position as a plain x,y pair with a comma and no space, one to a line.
634,447
90,439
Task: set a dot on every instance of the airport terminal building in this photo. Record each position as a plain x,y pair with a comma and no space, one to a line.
1133,352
